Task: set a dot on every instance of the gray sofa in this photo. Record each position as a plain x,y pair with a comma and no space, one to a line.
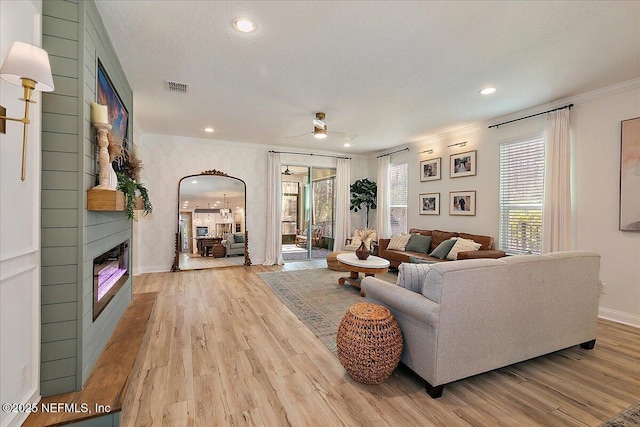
463,318
233,243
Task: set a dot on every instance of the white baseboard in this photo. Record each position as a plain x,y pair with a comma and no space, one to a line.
619,316
154,269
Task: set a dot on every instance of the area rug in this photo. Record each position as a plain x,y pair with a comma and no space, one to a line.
627,418
316,298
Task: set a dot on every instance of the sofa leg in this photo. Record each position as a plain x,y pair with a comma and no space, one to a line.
589,345
434,392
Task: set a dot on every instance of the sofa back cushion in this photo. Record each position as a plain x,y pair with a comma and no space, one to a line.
452,272
438,237
420,231
487,242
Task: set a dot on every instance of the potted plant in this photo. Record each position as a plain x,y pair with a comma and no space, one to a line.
132,190
364,192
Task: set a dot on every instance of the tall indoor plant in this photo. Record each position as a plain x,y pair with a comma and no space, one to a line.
364,192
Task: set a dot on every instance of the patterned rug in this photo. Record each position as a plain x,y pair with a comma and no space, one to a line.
315,297
627,418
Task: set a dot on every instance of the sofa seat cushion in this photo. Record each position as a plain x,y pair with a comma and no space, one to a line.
405,256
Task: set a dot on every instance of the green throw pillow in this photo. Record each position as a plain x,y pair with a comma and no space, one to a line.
239,238
443,249
415,260
419,243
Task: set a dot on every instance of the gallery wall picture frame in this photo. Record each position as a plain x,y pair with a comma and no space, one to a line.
429,204
462,203
463,164
630,175
430,169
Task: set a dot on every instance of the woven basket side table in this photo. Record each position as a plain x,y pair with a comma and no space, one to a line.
369,343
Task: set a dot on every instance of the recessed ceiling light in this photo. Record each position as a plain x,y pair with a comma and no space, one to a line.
488,90
208,129
194,182
245,25
346,144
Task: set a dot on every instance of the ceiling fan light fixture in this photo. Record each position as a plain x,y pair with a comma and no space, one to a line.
319,133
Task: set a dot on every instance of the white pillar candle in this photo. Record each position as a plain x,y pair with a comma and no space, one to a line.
100,113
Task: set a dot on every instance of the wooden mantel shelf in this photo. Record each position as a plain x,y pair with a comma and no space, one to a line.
105,200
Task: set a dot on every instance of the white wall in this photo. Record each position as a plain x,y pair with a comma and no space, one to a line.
597,130
167,159
595,126
19,227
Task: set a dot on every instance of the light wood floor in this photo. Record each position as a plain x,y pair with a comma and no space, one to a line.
222,350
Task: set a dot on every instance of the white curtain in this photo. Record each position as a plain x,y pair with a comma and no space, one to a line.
383,213
343,197
556,217
273,250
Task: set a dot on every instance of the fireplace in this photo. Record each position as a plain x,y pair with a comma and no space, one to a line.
110,272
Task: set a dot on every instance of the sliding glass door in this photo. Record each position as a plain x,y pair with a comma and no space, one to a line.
308,212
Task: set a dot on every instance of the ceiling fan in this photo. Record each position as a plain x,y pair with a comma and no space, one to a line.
289,172
320,130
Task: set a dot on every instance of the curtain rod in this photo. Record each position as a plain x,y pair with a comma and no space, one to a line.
310,154
533,115
394,152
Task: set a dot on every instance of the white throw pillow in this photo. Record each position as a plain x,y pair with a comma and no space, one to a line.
399,242
411,276
462,245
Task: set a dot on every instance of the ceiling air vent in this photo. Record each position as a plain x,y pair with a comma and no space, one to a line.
176,86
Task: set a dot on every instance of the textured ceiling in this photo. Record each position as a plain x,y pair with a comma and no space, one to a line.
390,72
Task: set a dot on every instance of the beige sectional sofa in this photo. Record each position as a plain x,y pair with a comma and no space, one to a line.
462,318
396,257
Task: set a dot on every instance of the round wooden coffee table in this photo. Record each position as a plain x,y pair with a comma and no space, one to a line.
369,267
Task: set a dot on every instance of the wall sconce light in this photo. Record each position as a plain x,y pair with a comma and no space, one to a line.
426,151
27,66
459,144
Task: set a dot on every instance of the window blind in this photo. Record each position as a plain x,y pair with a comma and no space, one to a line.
521,196
398,185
